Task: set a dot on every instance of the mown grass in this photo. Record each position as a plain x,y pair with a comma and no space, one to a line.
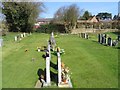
92,65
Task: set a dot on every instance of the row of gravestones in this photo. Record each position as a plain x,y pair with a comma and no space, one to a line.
84,35
51,46
105,40
19,37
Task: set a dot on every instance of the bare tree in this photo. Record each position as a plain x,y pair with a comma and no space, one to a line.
67,16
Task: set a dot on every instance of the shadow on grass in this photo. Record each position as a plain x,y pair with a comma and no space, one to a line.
117,47
117,33
53,65
40,73
53,53
54,77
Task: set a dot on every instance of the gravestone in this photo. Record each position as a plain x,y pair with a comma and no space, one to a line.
24,34
59,68
84,35
87,36
38,49
118,37
109,41
48,71
1,42
102,40
114,43
15,38
52,41
21,35
99,38
48,58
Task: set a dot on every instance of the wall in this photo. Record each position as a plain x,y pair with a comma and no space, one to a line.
83,30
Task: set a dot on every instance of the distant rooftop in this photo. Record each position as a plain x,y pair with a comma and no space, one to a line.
44,19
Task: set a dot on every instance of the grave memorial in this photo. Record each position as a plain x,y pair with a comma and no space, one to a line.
63,80
1,42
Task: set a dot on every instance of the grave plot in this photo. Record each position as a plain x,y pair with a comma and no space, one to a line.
63,77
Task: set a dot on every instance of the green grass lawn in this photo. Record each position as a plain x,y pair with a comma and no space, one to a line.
92,65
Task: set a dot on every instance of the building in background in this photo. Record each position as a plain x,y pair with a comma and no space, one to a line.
42,21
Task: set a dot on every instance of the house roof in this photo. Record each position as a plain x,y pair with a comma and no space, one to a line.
91,19
44,19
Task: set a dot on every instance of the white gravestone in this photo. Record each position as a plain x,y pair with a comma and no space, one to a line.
111,43
21,35
15,38
38,49
48,71
59,68
1,42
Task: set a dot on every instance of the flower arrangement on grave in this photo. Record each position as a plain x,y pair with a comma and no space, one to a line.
38,49
65,73
61,51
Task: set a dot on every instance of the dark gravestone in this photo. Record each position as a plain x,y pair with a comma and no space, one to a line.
105,35
109,41
99,38
118,37
102,41
87,36
104,38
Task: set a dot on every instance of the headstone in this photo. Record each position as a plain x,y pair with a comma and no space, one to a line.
105,35
102,41
38,49
1,42
59,68
24,34
83,35
99,38
118,37
21,35
109,41
52,41
87,36
48,71
15,38
114,43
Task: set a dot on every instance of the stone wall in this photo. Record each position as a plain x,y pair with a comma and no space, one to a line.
83,30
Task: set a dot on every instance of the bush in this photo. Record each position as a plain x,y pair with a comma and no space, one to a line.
48,28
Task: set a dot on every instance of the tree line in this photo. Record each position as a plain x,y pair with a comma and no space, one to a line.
21,16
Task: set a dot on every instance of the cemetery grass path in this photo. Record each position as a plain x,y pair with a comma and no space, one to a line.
92,65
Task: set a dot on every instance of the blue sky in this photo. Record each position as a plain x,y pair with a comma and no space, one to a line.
93,7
